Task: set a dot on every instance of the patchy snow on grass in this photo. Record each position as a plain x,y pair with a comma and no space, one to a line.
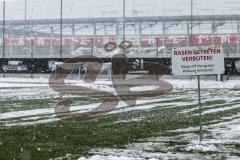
228,132
32,123
143,88
177,83
220,109
25,113
97,157
201,147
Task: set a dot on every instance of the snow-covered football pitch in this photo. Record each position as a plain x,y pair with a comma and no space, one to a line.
163,127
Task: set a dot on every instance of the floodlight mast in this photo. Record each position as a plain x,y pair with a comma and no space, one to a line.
61,28
3,28
124,17
25,22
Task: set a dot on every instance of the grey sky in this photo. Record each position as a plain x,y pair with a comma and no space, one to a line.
45,9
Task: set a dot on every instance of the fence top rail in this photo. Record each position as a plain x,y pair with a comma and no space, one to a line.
187,18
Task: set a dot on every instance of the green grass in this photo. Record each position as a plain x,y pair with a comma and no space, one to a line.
28,104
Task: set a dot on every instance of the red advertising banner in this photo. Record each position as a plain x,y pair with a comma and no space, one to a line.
145,40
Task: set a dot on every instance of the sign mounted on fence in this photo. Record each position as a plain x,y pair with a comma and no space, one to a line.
14,68
198,60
